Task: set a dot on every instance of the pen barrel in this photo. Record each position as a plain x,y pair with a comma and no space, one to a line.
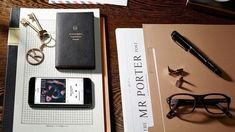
189,47
180,40
206,61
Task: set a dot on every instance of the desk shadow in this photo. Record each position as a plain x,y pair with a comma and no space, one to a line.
201,117
181,86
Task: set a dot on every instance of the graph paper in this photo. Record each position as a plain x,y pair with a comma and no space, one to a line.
60,119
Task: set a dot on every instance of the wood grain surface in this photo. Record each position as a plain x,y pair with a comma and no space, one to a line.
134,15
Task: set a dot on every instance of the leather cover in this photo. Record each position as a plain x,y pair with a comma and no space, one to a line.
75,46
217,42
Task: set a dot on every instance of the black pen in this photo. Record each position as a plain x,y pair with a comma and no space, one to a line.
188,46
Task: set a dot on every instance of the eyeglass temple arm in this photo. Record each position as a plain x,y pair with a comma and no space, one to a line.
224,110
216,102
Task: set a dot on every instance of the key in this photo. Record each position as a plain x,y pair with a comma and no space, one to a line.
26,23
35,56
43,34
34,19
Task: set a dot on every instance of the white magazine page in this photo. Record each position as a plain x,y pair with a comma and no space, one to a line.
136,101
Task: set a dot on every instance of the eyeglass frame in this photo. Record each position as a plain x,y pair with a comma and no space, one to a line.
200,101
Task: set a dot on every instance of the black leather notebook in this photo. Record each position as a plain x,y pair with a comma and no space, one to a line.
75,45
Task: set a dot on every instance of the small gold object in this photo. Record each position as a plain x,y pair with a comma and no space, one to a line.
35,56
44,36
179,82
176,72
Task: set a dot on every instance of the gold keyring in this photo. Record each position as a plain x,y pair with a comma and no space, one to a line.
35,56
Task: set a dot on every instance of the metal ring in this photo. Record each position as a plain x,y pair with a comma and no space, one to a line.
47,41
34,56
46,38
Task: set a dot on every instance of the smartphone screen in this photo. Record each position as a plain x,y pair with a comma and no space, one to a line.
60,92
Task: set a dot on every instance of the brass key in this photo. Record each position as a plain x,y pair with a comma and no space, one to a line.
43,34
34,19
35,56
26,23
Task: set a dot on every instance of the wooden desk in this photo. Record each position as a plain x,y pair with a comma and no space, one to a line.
136,13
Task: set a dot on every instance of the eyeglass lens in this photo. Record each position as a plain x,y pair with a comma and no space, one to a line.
182,104
216,104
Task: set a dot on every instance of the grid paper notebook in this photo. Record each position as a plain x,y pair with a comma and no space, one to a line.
59,119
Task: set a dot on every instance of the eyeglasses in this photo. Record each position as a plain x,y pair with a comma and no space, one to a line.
183,103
